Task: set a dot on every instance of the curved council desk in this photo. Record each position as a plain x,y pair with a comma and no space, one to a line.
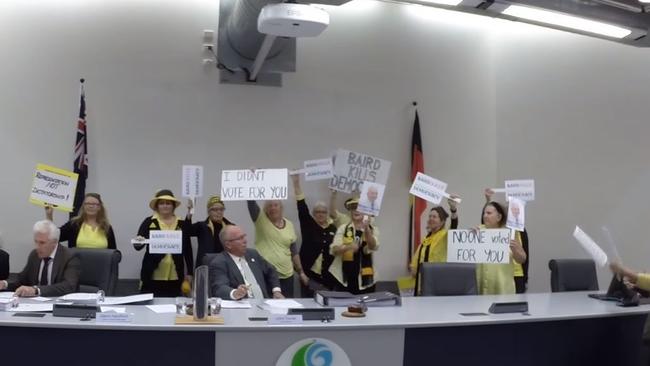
562,329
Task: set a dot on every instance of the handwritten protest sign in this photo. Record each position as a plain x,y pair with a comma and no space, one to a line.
482,246
351,169
53,186
261,184
524,189
192,181
318,169
165,242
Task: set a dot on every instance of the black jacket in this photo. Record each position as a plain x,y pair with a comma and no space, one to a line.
70,231
150,261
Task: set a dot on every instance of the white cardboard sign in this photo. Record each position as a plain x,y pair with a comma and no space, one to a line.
524,189
261,184
482,246
318,169
428,188
590,246
351,169
192,181
165,242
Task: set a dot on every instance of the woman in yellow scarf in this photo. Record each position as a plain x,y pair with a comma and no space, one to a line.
434,246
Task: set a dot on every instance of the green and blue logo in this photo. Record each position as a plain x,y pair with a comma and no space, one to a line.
314,352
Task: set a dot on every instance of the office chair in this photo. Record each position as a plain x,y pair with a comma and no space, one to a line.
573,275
99,269
448,279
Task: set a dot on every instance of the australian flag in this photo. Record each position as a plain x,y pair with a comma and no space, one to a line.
81,154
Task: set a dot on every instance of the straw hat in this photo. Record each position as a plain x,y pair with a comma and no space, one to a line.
163,194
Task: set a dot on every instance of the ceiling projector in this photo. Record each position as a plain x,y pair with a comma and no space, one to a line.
292,20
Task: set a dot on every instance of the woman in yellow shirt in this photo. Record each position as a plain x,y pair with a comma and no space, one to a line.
163,274
90,228
496,279
434,247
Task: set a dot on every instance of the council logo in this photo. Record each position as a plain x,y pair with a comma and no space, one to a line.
314,352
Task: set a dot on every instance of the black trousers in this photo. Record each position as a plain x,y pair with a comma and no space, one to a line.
520,284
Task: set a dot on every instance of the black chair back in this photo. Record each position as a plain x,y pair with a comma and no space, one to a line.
573,275
448,279
99,269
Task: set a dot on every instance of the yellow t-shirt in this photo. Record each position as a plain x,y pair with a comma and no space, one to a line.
91,238
166,270
273,244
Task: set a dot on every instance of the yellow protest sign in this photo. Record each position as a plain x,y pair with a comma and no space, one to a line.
53,186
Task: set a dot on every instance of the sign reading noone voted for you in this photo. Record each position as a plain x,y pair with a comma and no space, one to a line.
261,184
53,186
351,169
482,246
165,242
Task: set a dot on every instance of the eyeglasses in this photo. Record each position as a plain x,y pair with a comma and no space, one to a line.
92,204
320,212
217,209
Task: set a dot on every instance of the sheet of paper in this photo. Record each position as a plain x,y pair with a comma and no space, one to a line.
6,295
590,247
283,303
162,309
24,308
115,309
40,298
79,296
127,299
230,304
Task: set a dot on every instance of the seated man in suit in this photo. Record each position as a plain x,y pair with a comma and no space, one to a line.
51,269
238,272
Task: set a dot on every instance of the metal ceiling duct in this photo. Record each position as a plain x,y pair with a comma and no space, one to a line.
239,43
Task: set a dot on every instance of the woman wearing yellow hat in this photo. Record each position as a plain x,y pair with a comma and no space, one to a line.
163,274
207,232
352,248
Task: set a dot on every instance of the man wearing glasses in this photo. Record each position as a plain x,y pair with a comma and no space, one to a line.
239,272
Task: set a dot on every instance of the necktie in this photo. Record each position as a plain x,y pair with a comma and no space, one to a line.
255,291
43,281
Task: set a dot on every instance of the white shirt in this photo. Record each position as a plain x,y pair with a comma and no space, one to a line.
238,263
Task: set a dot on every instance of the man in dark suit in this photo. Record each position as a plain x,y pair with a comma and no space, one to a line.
239,272
51,269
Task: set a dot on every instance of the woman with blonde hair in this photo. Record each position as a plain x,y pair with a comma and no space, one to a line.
90,228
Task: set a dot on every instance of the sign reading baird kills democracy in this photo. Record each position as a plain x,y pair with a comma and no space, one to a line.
351,169
261,184
482,246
